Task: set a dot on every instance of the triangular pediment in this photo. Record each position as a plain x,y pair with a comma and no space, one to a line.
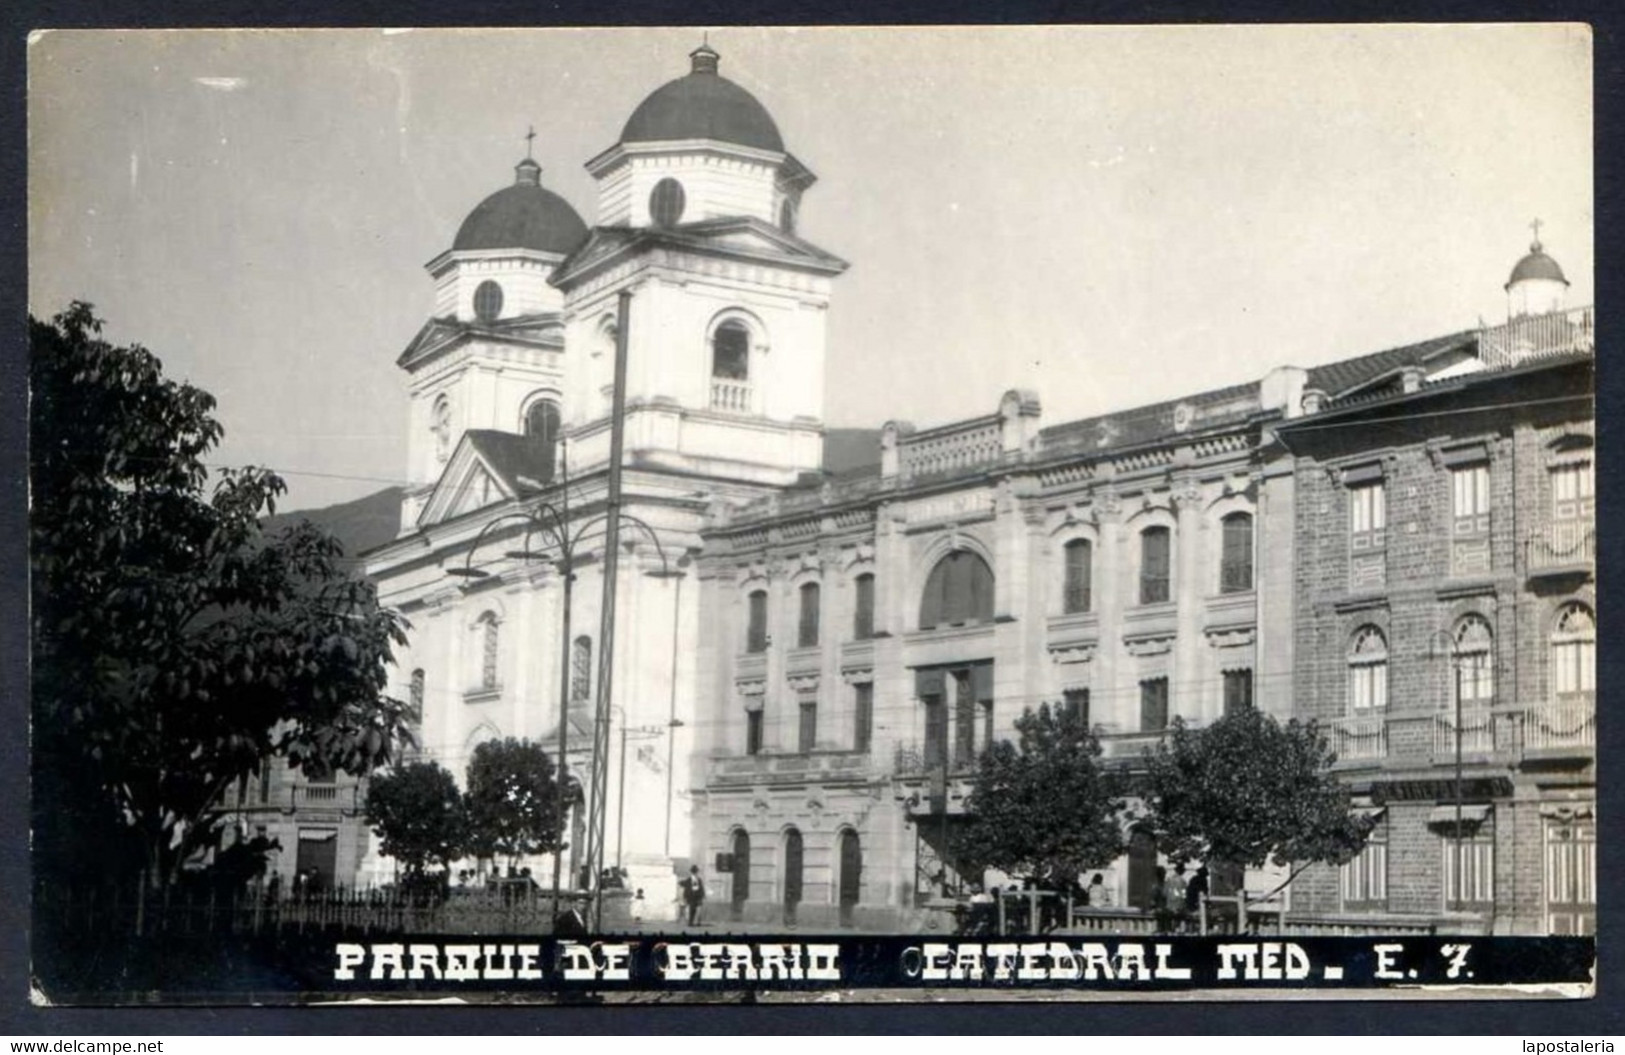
470,483
744,238
441,335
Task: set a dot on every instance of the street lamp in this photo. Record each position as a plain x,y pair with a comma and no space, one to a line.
1454,656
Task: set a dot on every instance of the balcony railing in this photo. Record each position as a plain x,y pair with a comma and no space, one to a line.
1562,544
952,448
912,760
1557,726
1537,336
1362,737
1477,733
731,396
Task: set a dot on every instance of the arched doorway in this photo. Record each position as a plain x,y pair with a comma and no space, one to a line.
792,874
739,890
851,875
1142,868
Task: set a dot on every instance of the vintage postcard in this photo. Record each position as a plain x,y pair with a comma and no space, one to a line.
953,513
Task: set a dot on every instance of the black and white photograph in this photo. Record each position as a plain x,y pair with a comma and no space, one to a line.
703,514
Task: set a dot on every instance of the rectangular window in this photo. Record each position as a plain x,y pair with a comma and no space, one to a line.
1153,705
1571,877
1474,858
1238,690
756,633
1368,687
753,732
964,719
807,733
1365,878
863,614
863,712
1368,516
807,630
1574,668
1572,491
936,731
1236,563
1154,564
1470,499
1079,576
1075,704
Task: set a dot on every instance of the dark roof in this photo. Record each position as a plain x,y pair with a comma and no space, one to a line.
1337,378
524,215
703,105
1155,421
512,456
1537,265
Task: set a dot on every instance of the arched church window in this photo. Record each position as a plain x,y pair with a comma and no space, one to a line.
488,301
489,632
440,425
787,216
959,590
542,429
666,202
730,352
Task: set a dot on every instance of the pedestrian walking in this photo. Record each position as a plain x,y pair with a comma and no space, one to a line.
1195,894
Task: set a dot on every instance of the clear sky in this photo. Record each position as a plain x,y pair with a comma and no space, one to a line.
1108,216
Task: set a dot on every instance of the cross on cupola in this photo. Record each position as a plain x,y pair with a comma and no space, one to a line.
530,136
1535,225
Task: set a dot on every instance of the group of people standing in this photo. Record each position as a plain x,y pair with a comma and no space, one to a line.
1176,902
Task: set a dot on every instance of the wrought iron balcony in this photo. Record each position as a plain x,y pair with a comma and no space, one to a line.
1528,337
1562,546
1362,737
1477,732
1567,725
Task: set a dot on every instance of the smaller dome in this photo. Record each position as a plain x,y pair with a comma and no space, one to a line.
1536,265
525,215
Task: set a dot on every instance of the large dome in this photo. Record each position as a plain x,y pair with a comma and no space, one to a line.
525,215
1537,265
703,105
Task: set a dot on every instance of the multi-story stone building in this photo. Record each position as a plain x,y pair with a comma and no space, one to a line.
1347,543
1446,615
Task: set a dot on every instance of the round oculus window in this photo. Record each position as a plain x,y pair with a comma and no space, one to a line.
487,301
666,202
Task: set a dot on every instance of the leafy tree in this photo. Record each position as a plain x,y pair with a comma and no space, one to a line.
176,648
419,814
513,800
1248,789
1043,806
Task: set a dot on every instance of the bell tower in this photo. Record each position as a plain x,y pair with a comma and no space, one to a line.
697,208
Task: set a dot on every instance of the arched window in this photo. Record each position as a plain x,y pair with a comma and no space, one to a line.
542,429
1236,562
730,351
1079,576
1475,662
959,590
807,628
440,426
787,216
1574,654
487,301
581,670
488,635
1368,671
756,629
863,607
414,697
1155,555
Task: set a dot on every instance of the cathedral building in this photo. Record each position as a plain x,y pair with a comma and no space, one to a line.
499,562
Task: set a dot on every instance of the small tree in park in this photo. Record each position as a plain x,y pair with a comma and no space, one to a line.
1042,806
513,800
419,815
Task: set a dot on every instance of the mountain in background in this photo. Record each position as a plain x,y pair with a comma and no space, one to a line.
366,523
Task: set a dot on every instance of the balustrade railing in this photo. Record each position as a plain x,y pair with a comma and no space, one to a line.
951,449
731,396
